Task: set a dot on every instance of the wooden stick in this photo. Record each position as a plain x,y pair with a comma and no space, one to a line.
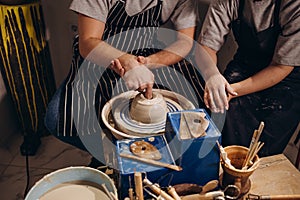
281,197
130,190
253,145
138,185
254,164
152,162
208,196
261,127
254,136
130,194
260,145
223,155
157,190
173,193
249,154
253,151
209,186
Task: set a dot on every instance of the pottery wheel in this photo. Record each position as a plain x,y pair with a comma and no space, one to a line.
115,114
126,124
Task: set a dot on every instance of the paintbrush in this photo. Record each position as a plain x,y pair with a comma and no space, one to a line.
223,155
254,146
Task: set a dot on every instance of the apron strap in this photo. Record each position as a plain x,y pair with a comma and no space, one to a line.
241,8
276,12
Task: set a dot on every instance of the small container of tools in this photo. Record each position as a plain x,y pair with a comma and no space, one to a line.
234,174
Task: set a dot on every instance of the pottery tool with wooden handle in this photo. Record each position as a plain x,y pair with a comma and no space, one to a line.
173,193
208,196
156,189
138,183
274,197
151,162
130,190
254,147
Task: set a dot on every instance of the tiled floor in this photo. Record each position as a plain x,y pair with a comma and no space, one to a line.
52,155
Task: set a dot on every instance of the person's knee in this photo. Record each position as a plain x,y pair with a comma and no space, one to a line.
52,114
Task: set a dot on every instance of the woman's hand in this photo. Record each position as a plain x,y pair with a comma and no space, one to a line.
215,93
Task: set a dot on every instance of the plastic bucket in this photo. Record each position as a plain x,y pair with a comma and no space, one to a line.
70,175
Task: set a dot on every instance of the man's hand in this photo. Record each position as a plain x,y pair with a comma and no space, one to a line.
215,97
117,67
137,78
140,78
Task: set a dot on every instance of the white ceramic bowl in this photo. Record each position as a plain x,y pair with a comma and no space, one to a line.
149,111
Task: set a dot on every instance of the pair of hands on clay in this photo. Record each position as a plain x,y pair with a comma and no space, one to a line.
135,73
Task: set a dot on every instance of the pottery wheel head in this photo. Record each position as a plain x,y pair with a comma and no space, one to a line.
148,111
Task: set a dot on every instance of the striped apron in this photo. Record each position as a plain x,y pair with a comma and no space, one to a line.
110,84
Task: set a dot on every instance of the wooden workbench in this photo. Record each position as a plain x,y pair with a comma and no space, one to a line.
276,175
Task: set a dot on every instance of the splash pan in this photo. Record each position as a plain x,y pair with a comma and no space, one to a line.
115,114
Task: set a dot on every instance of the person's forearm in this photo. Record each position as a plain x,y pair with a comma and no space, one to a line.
206,60
176,51
99,52
91,45
172,54
264,79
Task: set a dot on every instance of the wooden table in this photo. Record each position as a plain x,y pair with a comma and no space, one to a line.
276,175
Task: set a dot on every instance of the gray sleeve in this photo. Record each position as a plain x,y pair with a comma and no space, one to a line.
287,51
217,23
97,9
184,15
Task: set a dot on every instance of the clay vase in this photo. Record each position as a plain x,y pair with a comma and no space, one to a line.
237,176
148,111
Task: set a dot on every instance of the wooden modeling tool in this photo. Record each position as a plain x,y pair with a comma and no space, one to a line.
156,189
151,162
138,185
224,157
208,196
130,190
192,125
209,186
254,147
173,193
273,197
